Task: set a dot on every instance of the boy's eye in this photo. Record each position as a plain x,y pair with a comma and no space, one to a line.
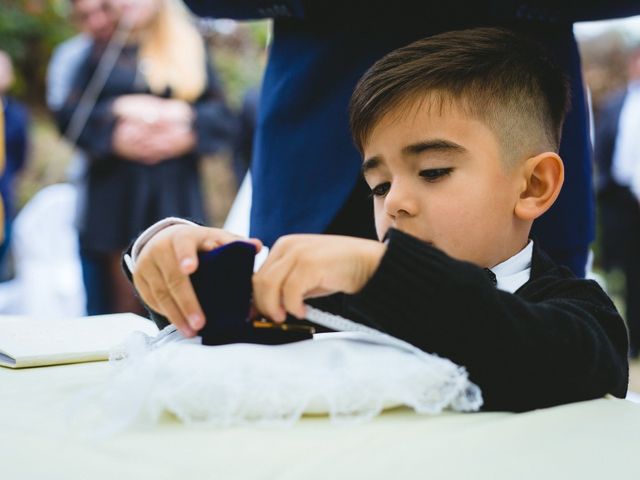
434,174
380,190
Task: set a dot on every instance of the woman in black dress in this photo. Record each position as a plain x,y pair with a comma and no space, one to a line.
160,110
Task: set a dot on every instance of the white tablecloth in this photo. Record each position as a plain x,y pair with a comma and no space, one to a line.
590,440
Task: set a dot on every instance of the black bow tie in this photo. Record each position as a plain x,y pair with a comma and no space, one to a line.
491,276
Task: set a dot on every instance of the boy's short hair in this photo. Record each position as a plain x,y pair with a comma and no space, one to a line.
493,74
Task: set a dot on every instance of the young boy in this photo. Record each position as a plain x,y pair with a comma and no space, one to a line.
459,134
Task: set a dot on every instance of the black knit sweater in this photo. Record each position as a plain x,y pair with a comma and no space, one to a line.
557,339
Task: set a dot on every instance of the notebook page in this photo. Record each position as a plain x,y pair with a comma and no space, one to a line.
30,341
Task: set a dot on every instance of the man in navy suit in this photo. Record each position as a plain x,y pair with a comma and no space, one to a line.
306,171
617,153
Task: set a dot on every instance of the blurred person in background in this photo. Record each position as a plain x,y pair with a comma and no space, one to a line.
96,20
617,152
15,125
160,110
2,163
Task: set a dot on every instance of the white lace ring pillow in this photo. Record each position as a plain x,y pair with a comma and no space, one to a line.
347,375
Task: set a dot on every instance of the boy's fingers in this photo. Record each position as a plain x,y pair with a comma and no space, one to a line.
279,249
185,248
164,304
167,264
149,298
293,290
187,301
145,292
179,289
186,245
257,242
267,289
170,310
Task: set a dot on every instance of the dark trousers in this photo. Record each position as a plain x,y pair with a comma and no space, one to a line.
620,223
632,301
97,285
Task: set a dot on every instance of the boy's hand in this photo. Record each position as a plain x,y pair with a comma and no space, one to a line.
305,266
163,267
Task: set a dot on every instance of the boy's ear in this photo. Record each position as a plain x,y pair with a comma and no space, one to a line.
543,179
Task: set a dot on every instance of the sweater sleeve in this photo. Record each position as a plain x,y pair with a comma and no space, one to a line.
564,343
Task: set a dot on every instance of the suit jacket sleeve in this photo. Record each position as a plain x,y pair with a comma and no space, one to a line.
497,10
247,9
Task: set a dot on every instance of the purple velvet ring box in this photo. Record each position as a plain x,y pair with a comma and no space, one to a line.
222,284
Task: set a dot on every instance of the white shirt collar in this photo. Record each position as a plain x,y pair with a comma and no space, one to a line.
515,271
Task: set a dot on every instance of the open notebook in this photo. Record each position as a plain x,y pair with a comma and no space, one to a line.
31,342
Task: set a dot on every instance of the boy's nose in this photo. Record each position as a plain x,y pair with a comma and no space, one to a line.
400,202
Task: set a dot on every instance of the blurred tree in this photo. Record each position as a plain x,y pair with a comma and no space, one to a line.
239,53
29,29
604,62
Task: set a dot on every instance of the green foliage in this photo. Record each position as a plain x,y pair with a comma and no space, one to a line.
29,29
237,74
240,58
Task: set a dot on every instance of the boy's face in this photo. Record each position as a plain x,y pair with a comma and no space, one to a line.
438,174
